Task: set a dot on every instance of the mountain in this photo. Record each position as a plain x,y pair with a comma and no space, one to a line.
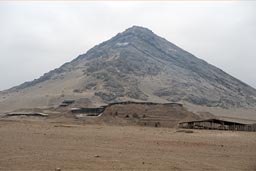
134,65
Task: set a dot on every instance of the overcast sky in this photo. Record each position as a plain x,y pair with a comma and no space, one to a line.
36,37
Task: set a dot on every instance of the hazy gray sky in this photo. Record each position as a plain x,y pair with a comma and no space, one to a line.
36,37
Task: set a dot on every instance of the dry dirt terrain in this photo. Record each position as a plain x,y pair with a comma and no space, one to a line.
43,145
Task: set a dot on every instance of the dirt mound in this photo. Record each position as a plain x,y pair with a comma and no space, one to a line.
158,115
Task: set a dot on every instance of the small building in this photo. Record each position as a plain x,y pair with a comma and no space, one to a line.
218,124
67,103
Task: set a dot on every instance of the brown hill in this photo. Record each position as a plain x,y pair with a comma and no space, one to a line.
135,65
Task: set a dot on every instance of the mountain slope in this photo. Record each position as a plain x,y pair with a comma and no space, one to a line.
134,65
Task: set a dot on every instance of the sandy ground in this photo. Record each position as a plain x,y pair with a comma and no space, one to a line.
43,146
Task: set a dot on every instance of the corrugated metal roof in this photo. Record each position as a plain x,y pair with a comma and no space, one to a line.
228,120
244,121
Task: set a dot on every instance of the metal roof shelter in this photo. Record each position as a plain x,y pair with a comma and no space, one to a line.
218,124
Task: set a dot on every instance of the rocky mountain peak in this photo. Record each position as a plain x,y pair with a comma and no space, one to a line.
139,65
131,35
137,30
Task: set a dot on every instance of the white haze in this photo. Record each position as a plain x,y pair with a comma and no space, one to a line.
36,37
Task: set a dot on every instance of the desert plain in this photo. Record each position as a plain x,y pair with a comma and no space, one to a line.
40,144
